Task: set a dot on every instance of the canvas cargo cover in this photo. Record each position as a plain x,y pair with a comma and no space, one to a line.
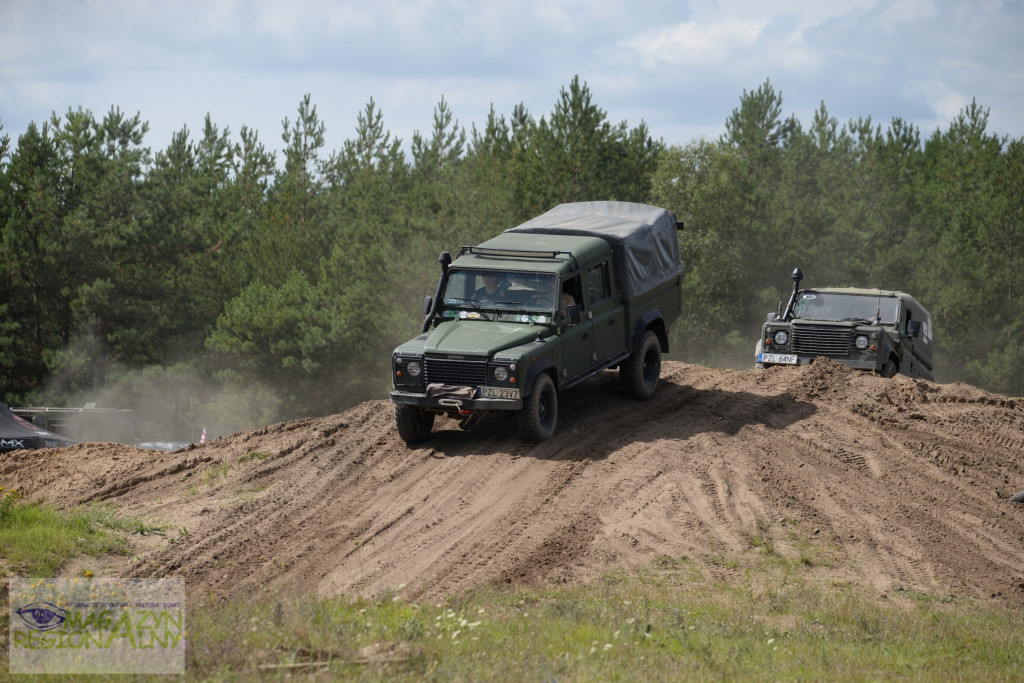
645,246
16,433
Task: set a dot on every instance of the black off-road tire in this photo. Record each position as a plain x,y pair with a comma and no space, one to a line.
1019,498
639,374
539,415
413,424
888,369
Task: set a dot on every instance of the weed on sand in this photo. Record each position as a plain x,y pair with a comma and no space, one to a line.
36,539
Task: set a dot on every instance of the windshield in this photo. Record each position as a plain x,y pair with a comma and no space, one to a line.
500,289
856,307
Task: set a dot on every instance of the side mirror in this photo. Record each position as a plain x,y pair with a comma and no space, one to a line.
573,314
771,317
427,304
914,329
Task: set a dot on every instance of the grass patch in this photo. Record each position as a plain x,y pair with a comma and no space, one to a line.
252,455
659,625
669,621
36,538
214,473
638,630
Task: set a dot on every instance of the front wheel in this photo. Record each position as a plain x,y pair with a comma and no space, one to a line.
639,374
888,369
414,425
539,414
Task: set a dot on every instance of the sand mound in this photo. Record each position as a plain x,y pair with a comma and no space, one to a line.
880,483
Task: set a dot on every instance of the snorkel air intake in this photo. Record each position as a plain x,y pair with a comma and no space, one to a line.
798,275
445,259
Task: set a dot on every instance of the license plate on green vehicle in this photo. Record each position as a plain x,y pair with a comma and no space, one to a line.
499,392
781,358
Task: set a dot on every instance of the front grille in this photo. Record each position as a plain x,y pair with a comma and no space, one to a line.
462,372
825,341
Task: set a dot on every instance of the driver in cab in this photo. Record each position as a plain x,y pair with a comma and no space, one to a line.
495,289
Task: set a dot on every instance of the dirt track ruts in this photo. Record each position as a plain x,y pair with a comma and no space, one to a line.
879,483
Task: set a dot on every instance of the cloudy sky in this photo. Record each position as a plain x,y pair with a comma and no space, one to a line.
681,66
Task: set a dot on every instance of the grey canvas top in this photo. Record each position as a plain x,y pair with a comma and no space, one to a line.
645,246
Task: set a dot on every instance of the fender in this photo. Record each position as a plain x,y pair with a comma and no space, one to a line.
642,324
531,377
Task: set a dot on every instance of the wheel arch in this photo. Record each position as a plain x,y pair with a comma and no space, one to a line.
543,365
651,320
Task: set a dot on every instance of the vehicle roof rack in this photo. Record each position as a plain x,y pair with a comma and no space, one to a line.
521,253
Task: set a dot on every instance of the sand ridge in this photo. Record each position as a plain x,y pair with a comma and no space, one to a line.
880,483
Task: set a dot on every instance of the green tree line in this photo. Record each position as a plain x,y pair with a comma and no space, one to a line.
220,284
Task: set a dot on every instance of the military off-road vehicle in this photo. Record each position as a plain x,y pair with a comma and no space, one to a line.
542,307
869,329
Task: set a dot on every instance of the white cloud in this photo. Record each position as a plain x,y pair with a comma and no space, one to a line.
693,44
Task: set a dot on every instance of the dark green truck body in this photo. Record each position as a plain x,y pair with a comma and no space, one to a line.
583,288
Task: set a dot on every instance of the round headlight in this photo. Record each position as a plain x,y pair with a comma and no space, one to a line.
861,342
781,337
500,373
413,368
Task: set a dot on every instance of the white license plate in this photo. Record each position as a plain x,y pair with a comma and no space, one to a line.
499,392
782,358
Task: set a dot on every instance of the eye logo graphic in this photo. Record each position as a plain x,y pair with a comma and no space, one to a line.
42,616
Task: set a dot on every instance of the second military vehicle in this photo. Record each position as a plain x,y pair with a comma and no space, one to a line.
885,331
585,287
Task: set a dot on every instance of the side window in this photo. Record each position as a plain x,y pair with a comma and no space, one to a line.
571,287
598,286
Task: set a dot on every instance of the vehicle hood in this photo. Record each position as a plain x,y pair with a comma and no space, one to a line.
851,324
478,337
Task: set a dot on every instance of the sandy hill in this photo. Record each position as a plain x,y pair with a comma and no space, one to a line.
879,483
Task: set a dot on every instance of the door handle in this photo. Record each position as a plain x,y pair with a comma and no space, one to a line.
586,335
612,321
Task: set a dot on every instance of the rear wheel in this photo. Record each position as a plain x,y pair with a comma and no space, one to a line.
413,424
539,415
639,374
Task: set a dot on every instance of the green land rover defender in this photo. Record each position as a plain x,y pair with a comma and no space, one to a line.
543,306
869,329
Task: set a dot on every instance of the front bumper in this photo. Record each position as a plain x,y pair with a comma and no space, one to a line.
806,359
455,403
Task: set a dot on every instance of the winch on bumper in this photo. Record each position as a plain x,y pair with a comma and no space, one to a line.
456,402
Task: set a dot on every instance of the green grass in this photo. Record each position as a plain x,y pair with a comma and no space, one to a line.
782,620
214,473
37,539
629,627
252,455
637,627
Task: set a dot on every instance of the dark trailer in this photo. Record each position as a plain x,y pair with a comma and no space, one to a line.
17,434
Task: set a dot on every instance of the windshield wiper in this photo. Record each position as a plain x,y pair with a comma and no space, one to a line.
471,302
518,305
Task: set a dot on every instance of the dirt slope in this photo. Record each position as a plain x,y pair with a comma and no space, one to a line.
882,483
